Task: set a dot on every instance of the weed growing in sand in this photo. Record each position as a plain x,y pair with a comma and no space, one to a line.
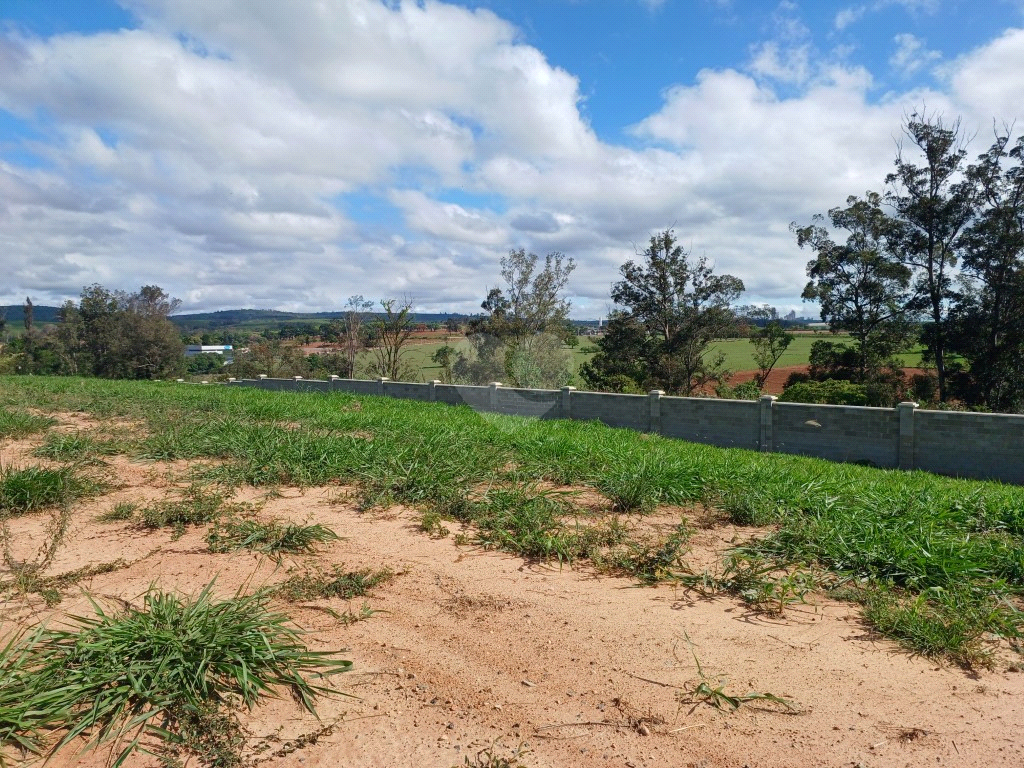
127,680
29,580
274,538
18,424
337,583
651,562
34,488
122,510
198,505
704,690
488,757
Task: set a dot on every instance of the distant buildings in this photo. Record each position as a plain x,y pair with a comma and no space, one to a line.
225,350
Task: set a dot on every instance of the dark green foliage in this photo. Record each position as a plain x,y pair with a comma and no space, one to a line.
830,391
675,308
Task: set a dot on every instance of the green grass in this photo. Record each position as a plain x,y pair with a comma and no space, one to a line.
907,531
17,424
739,353
169,673
34,488
78,446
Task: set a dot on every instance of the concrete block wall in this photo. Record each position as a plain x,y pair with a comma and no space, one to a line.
540,403
628,411
972,445
977,445
725,423
837,432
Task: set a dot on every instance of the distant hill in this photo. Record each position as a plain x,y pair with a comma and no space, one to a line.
40,314
237,320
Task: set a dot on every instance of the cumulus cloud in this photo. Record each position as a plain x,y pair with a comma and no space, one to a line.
911,55
215,149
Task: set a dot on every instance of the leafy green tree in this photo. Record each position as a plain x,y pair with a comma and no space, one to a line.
770,341
681,306
117,335
932,203
861,286
519,340
988,327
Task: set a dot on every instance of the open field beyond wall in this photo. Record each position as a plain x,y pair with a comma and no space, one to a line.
544,593
738,353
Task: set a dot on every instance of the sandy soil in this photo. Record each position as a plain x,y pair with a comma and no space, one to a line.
471,650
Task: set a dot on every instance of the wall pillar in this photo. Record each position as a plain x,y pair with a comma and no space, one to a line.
492,396
906,445
654,419
432,397
566,404
381,380
766,440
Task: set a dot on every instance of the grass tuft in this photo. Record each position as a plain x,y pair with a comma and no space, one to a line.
168,675
955,623
35,488
18,424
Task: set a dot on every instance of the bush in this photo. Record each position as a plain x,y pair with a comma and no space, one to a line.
830,391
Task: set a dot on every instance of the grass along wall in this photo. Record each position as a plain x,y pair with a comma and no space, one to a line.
971,445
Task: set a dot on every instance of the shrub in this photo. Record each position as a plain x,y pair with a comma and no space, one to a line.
830,391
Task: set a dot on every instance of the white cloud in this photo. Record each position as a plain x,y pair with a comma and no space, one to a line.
911,55
215,167
848,16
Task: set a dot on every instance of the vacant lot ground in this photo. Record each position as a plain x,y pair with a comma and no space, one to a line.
470,655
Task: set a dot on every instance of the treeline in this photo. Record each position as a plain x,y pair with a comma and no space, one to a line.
937,259
110,334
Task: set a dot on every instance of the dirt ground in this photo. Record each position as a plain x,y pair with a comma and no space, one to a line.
471,650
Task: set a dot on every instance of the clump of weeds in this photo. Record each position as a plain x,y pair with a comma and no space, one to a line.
274,538
125,679
197,505
956,623
34,488
337,583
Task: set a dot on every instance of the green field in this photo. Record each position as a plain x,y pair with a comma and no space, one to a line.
738,353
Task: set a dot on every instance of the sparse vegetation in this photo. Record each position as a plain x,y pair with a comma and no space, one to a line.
830,523
336,583
274,538
18,424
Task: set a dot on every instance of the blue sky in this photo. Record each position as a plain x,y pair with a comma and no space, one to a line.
263,154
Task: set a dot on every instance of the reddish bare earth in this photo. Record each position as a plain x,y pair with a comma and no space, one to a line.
471,650
777,378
